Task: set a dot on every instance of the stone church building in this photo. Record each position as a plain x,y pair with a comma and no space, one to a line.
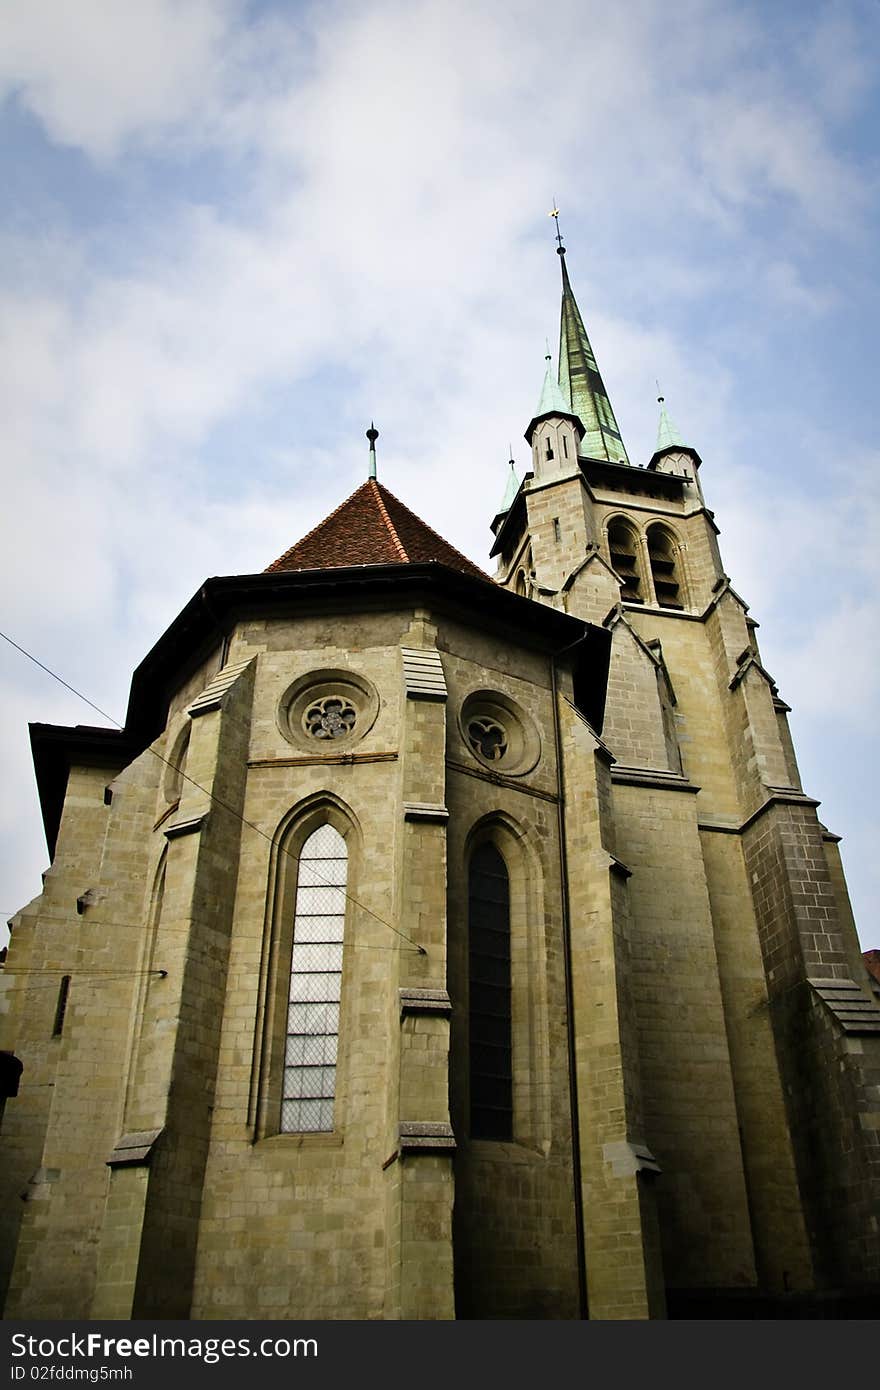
429,945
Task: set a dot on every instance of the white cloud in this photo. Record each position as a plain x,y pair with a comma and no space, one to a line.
838,56
99,74
836,667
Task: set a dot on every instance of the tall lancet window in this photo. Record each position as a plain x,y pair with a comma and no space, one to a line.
491,1070
315,984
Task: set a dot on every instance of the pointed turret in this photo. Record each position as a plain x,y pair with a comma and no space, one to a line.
580,382
552,401
668,435
554,431
672,452
510,491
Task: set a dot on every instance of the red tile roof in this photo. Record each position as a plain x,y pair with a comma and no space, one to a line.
372,528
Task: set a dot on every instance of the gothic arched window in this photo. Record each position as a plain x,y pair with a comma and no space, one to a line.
315,984
491,1069
665,567
623,546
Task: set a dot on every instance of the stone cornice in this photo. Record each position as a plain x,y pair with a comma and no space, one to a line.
424,1001
652,777
422,811
425,1136
778,797
722,586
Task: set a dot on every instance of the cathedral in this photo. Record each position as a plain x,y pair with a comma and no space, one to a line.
432,946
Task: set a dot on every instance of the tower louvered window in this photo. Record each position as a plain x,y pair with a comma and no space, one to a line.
665,570
623,544
315,984
491,1073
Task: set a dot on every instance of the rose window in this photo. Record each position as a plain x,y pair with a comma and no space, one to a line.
488,738
332,708
333,717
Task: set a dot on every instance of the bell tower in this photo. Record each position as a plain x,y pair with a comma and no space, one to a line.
742,946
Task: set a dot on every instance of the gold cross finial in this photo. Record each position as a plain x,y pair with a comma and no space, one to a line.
554,213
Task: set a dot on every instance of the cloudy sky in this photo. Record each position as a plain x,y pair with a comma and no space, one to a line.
234,231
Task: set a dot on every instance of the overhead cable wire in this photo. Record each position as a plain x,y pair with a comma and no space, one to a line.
216,800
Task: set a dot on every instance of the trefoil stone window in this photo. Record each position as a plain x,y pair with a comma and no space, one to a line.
488,738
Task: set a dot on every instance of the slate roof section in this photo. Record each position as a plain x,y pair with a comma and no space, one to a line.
211,697
853,1011
372,527
423,674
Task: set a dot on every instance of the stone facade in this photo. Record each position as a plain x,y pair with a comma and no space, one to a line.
686,1098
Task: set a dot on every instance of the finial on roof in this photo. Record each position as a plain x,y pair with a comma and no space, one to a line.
372,435
560,249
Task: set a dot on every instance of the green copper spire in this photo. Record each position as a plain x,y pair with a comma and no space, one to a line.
511,490
552,400
580,380
668,436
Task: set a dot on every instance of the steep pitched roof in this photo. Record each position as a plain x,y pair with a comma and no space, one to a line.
579,378
510,491
371,527
668,436
552,401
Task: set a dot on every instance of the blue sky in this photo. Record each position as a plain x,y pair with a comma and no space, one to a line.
234,233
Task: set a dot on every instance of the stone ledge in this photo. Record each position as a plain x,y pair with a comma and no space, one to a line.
424,1136
627,1158
617,866
651,777
186,827
135,1148
423,811
779,796
424,1001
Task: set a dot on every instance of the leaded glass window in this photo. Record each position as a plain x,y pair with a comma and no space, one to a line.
315,984
491,1064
